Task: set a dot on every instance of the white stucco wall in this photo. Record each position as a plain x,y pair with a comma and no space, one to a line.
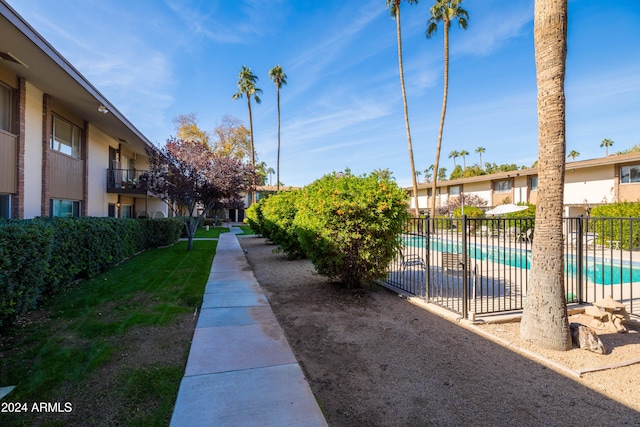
33,152
593,185
98,156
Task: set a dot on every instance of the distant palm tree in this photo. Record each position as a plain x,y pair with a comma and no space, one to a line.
383,173
463,154
279,78
455,154
606,143
573,154
270,171
394,8
427,173
247,87
444,11
480,150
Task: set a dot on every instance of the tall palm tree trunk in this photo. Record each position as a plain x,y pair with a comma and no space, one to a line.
544,319
446,24
278,160
253,151
406,113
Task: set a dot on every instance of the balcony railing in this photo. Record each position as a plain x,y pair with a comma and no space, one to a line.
127,181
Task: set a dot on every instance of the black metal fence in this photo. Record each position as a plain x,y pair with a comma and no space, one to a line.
481,266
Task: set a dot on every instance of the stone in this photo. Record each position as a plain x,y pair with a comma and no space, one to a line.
586,338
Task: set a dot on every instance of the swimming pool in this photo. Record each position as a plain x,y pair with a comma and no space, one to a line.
596,270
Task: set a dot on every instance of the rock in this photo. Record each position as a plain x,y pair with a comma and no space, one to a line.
586,338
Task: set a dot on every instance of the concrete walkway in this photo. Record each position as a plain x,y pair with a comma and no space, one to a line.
241,370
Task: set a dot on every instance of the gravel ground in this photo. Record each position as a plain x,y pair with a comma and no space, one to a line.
374,359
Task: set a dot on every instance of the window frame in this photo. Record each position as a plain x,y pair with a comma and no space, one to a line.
6,110
497,187
458,188
531,180
631,178
74,146
55,206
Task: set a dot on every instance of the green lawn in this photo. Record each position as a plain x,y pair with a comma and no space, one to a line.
114,346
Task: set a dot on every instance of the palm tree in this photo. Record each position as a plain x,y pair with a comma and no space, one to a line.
573,154
279,78
444,11
606,143
463,154
394,8
270,171
544,319
455,154
383,173
247,87
427,173
480,150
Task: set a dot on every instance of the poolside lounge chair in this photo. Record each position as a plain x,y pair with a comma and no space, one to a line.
412,260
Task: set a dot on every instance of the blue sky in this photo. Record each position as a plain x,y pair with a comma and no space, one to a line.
342,106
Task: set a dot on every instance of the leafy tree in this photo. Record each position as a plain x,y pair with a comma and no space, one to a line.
189,175
573,154
349,226
444,11
606,143
247,88
394,9
494,168
457,173
544,319
480,151
472,171
232,138
474,200
187,128
279,78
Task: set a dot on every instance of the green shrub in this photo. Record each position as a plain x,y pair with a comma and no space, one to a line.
24,265
255,218
278,212
627,232
349,226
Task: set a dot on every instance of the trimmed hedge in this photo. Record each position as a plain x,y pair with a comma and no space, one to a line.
44,255
278,213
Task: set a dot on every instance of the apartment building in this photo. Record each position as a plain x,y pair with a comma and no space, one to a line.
588,183
65,150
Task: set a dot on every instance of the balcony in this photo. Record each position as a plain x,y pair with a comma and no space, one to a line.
126,181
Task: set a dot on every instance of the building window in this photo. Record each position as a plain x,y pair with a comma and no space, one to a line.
503,186
455,190
5,206
64,208
66,137
629,174
126,211
5,108
533,183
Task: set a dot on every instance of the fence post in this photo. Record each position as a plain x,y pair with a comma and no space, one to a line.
465,269
427,257
579,256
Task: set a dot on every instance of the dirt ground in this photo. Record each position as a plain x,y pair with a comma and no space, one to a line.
373,358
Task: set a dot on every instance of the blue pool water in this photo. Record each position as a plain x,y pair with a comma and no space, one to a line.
595,270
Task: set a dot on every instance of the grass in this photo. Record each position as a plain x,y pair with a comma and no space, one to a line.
212,233
108,340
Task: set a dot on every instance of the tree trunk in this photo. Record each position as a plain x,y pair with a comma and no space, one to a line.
406,113
253,151
446,25
544,320
278,161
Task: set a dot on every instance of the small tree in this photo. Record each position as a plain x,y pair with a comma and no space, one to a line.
187,174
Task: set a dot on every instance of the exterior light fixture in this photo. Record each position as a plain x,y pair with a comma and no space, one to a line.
103,109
